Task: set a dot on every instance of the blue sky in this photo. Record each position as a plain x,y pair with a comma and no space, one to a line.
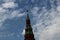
44,16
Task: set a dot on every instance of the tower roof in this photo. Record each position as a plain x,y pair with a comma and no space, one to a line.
27,15
28,24
28,30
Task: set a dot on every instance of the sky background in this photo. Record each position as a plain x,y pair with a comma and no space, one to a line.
44,16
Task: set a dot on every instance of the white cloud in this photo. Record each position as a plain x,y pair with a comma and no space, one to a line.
47,25
6,14
51,32
6,34
16,13
2,15
9,5
35,10
9,0
23,32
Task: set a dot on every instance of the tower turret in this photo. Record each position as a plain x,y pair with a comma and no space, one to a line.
28,30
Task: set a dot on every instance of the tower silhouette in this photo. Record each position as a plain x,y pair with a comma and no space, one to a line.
28,30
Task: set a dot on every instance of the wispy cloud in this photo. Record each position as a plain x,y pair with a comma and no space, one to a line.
9,5
9,0
6,34
47,23
5,13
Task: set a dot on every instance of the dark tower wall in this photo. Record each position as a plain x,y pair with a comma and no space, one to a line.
28,30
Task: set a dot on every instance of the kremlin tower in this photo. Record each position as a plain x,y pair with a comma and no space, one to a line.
28,30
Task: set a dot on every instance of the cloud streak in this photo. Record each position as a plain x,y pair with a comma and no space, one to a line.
47,25
9,5
5,13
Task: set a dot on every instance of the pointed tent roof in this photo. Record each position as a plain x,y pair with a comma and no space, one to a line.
27,15
28,30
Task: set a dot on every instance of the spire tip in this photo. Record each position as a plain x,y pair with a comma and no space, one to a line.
27,10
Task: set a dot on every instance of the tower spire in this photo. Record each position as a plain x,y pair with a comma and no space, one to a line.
28,30
27,15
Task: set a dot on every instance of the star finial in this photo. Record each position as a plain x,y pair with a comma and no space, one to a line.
27,11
